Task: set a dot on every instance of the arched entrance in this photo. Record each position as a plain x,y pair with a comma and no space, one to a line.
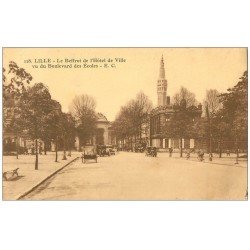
100,136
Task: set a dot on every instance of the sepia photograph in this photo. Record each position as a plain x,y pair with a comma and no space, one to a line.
147,124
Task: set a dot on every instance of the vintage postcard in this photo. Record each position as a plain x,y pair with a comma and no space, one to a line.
125,124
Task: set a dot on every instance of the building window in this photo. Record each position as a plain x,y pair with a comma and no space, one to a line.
167,118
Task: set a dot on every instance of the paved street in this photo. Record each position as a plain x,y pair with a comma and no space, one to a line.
132,176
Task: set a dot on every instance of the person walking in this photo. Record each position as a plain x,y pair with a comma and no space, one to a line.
200,154
170,151
210,156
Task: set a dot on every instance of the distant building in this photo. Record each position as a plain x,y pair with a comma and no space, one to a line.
104,134
162,114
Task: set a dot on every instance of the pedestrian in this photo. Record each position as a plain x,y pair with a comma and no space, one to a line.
200,154
210,156
170,151
228,152
25,150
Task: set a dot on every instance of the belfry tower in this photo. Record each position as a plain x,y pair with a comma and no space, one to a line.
162,86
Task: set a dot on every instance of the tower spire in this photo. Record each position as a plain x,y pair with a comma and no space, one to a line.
162,69
162,85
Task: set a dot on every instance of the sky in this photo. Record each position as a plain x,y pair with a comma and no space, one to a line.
197,69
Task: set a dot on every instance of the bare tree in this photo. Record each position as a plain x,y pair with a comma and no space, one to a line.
82,109
133,118
143,107
82,104
186,95
212,101
144,104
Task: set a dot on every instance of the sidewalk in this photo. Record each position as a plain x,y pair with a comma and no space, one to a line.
28,176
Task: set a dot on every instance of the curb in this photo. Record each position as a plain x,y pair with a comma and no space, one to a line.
48,177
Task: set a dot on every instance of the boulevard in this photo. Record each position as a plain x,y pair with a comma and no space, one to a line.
133,176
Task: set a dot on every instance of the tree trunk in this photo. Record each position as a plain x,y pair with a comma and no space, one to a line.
17,147
140,133
181,147
45,147
64,149
36,162
210,144
135,141
69,149
80,144
220,149
237,152
56,150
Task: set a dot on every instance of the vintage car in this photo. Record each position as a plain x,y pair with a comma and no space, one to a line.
89,153
103,150
111,149
139,148
151,151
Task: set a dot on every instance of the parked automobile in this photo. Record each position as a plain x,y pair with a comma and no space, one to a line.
139,148
89,153
103,150
111,149
151,151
